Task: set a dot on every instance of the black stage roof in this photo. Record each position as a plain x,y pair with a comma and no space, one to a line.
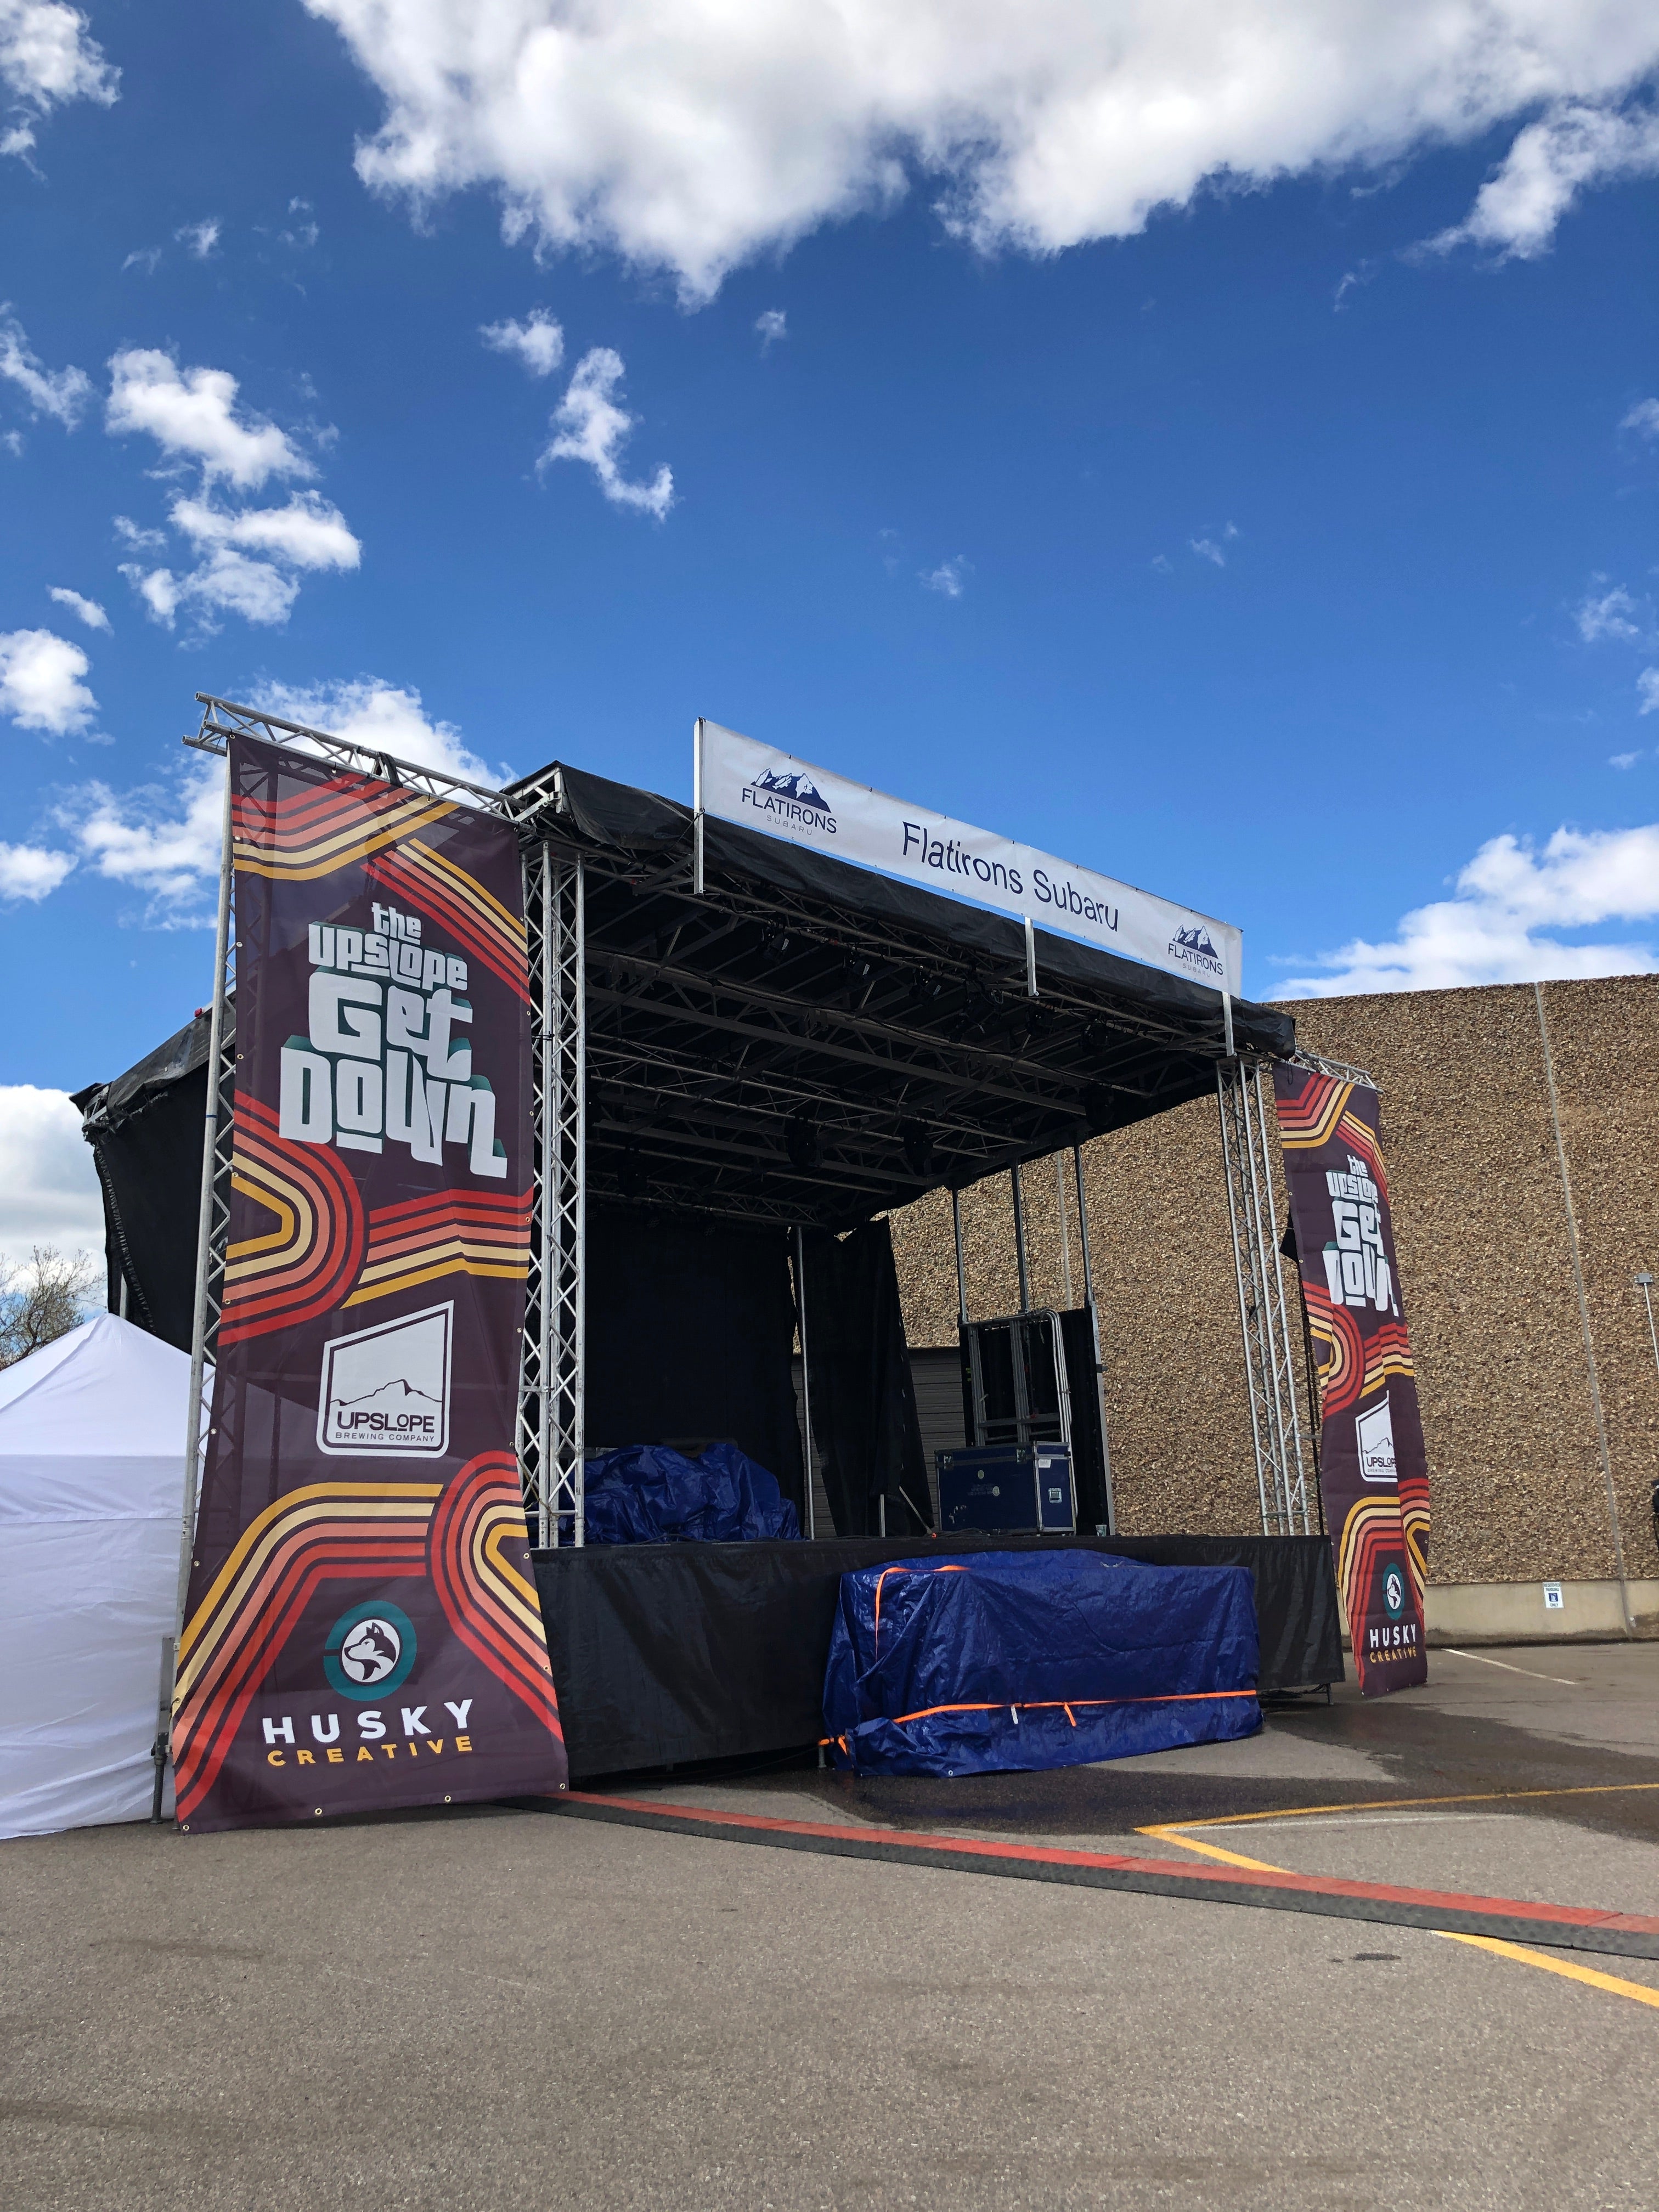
805,1042
809,1042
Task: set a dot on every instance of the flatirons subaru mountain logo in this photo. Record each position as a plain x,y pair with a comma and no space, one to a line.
385,1391
1193,948
789,795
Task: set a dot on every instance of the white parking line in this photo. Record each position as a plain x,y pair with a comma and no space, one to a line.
1531,1673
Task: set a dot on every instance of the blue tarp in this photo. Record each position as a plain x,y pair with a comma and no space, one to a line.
647,1494
995,1661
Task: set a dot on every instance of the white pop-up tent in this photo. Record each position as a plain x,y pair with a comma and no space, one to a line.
92,1450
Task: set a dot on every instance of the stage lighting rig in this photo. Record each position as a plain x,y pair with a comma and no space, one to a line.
800,1141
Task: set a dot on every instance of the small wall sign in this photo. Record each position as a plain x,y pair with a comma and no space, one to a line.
1553,1601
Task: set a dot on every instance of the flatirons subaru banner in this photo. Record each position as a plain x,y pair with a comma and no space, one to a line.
760,788
362,1630
1372,1467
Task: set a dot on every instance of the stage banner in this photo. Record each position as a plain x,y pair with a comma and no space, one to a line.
362,1629
761,788
1373,1471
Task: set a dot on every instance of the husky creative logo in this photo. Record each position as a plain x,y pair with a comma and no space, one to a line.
1394,1589
1193,949
385,1391
789,795
369,1652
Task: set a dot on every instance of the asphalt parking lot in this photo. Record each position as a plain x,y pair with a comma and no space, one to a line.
503,2007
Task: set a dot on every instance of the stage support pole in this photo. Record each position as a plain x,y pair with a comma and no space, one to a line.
962,1272
1249,1169
806,1378
1094,1330
697,806
1065,1230
213,1217
1020,1242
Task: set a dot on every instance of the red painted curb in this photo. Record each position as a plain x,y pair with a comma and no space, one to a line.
1560,1919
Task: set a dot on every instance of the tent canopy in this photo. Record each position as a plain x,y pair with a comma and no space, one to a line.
92,1450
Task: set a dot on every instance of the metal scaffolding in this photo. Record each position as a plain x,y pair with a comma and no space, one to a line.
550,1391
1250,1172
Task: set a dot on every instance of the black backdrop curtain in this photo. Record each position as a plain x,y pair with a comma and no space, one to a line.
690,1335
864,1427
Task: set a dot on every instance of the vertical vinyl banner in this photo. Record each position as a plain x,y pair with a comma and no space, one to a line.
1373,1471
362,1629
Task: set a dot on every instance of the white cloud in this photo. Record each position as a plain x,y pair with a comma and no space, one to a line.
1498,928
31,872
773,325
146,258
1163,563
88,610
1207,549
1608,613
248,556
47,60
1569,147
1643,418
694,136
1646,690
161,839
307,533
380,715
538,342
201,237
591,427
949,579
193,416
142,541
1623,759
40,685
157,587
61,393
48,1185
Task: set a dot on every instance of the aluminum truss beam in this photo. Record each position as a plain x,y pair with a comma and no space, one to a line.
1250,1170
551,1397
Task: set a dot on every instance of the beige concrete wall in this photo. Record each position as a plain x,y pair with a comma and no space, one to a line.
1519,1494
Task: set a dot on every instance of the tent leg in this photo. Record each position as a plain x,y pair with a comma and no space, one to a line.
158,1749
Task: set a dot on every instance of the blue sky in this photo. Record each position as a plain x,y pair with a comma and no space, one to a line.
1259,508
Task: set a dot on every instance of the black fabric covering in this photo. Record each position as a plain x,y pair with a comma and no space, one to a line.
666,1653
690,1335
145,1131
865,1430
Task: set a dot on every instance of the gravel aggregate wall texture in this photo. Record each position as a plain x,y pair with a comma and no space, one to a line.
1518,1488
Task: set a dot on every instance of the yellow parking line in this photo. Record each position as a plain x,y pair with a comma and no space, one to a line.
1519,1952
1383,1804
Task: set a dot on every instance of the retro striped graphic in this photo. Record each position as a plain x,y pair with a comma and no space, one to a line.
491,1605
358,1532
1362,1142
318,830
1388,1351
446,895
1414,1519
1339,1351
302,1265
1309,1119
1374,1526
452,1232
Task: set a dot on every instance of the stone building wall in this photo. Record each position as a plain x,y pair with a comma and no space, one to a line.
1518,1487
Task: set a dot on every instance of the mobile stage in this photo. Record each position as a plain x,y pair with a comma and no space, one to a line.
746,1054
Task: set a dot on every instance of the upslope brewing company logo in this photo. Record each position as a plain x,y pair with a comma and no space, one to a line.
1374,1435
384,1063
790,796
385,1391
1192,949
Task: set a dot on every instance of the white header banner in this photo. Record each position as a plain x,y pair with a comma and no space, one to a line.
742,781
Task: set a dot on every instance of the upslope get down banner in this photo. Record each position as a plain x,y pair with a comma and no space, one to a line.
362,1629
1373,1470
